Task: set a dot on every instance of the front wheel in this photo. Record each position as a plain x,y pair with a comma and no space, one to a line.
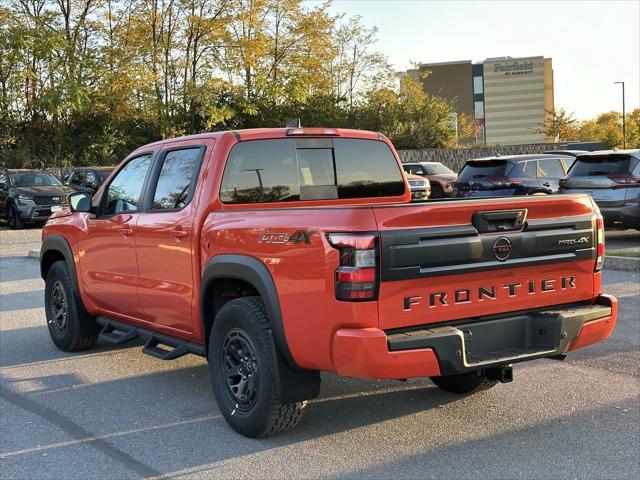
436,192
465,383
13,217
243,370
70,326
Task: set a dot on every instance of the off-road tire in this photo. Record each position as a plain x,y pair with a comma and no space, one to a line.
13,218
464,384
266,415
78,330
436,191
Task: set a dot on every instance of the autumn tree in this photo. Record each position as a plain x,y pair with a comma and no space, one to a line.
607,128
559,125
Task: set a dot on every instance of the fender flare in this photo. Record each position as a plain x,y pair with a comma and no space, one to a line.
254,272
59,244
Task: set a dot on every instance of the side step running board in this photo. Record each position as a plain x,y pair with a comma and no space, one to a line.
152,347
118,333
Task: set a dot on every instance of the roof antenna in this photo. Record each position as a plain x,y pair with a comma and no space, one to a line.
295,123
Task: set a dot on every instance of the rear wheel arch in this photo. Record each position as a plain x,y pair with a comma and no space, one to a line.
249,277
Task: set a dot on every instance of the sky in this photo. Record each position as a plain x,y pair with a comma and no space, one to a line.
592,43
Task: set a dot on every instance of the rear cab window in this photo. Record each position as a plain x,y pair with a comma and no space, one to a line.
284,170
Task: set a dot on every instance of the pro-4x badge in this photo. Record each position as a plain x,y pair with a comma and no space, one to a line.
298,237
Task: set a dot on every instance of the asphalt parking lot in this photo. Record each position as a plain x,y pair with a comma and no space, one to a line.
116,413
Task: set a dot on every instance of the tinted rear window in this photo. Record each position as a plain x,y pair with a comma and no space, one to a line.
309,169
474,170
436,169
585,165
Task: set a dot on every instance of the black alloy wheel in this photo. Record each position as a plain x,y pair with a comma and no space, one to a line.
59,307
240,369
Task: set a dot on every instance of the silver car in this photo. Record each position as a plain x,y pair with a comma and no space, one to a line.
612,179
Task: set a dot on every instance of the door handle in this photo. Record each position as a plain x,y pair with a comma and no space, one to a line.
126,231
179,233
546,184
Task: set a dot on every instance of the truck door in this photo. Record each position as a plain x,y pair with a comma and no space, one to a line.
107,250
165,238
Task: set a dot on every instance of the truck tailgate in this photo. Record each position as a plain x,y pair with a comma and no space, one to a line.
458,260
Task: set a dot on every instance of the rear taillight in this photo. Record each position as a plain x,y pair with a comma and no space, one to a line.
505,182
626,179
600,243
356,279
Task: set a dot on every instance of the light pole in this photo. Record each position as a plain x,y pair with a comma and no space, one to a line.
624,126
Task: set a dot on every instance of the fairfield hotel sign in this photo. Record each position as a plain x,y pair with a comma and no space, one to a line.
514,68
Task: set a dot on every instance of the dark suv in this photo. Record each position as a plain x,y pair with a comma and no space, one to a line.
612,179
30,196
515,175
87,179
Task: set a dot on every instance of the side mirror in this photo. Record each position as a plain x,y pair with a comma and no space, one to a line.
80,202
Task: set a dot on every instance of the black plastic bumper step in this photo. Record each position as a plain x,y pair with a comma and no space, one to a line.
507,339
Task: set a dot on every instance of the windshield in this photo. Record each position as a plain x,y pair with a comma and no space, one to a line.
436,169
478,169
585,166
32,179
102,175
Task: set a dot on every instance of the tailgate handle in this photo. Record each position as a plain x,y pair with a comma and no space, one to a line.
500,220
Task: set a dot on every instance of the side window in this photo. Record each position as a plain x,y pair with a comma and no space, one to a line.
90,180
261,171
174,187
566,163
531,168
123,194
636,170
550,168
3,180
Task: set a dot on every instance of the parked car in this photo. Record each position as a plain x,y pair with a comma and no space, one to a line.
419,186
514,175
87,179
29,196
612,179
440,177
280,253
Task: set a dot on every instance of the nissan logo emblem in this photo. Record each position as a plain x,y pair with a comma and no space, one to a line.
502,248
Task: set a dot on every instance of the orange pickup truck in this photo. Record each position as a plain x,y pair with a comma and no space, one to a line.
281,253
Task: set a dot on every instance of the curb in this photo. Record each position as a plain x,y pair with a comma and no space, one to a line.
34,254
627,264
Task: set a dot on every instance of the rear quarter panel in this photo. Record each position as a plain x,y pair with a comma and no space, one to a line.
303,273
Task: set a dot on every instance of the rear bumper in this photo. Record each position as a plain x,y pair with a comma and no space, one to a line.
625,216
459,348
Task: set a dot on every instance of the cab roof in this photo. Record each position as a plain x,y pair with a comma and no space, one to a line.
273,133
